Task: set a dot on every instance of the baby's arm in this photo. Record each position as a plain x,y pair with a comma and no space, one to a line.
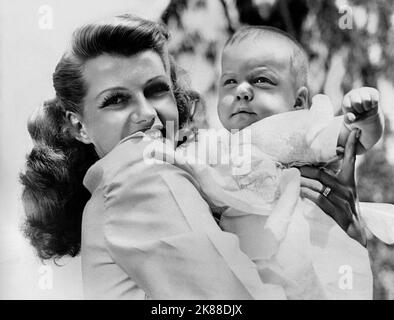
361,110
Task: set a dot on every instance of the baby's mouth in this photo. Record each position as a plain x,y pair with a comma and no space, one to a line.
244,112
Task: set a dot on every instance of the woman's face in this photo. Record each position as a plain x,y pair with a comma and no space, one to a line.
126,95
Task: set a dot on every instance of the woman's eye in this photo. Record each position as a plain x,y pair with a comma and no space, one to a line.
115,100
229,81
156,90
263,80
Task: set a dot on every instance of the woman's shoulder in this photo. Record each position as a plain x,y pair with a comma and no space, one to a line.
125,153
132,163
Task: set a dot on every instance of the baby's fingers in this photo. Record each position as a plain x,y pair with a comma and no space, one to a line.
373,93
374,98
350,117
360,103
366,100
346,104
356,102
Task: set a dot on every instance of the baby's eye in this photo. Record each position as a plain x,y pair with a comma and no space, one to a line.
263,80
229,81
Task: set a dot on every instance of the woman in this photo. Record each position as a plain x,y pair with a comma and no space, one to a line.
146,230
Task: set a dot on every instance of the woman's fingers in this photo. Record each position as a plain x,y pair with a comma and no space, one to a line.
357,232
347,210
338,194
317,174
313,184
346,174
327,206
339,210
309,174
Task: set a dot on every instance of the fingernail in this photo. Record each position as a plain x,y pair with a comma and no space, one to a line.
340,151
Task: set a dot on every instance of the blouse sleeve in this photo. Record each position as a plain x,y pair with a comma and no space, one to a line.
160,231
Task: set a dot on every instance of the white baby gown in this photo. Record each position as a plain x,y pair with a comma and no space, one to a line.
256,193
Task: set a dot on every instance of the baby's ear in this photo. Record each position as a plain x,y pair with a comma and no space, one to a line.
302,99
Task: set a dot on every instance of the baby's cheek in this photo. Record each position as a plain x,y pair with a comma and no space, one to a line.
285,102
224,104
274,104
227,100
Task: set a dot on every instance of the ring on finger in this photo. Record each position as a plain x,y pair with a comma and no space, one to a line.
326,191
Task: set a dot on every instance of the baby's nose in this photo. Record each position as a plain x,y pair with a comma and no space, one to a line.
244,92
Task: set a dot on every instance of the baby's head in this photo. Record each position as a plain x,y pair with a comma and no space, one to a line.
264,72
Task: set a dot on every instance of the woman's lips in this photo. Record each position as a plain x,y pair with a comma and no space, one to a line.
154,125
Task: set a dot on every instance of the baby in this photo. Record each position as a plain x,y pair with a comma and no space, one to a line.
292,241
256,195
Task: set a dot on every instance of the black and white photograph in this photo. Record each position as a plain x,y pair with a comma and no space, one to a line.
197,150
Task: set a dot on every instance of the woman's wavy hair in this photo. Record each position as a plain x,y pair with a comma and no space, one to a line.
53,194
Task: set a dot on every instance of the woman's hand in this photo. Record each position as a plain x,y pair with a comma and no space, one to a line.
336,195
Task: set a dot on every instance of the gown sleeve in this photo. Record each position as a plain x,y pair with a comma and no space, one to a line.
300,137
160,231
379,219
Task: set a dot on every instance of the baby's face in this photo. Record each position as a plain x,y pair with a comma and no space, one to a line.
256,82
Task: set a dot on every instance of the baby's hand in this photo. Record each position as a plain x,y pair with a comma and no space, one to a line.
361,109
360,104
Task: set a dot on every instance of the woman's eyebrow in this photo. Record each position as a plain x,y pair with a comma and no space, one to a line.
148,82
156,78
111,89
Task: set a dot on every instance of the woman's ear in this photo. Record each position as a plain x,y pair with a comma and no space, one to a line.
79,129
302,99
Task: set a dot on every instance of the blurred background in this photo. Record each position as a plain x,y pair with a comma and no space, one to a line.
350,44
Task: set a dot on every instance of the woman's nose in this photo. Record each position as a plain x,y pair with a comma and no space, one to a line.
144,112
245,92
